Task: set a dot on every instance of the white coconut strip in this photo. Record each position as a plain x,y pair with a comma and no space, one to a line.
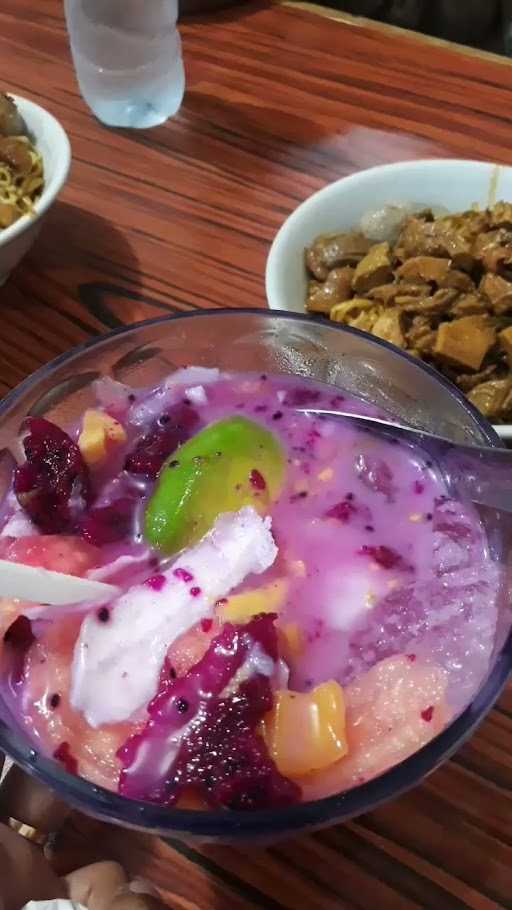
117,663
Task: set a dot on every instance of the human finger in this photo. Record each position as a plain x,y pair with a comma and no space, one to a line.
25,874
127,899
104,886
95,886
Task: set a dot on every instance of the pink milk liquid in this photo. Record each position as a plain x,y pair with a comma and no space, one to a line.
380,564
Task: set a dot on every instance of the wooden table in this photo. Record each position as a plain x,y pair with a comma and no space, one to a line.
279,102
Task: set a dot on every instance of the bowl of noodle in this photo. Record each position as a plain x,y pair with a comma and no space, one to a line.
35,157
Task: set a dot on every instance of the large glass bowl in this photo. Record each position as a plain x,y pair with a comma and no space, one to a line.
265,342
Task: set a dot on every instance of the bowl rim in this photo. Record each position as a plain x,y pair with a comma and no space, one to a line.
359,176
103,803
52,189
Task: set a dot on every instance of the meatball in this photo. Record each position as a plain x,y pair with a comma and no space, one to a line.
11,121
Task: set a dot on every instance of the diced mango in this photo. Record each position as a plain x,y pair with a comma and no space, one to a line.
267,599
99,432
291,641
305,732
392,711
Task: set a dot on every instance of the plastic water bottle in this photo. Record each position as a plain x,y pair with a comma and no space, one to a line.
128,61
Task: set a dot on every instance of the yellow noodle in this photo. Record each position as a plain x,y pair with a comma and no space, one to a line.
29,185
7,195
21,190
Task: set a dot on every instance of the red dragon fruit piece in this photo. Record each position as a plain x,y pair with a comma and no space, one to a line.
18,640
376,475
171,430
52,485
225,759
349,509
301,397
108,524
386,557
342,511
220,754
64,755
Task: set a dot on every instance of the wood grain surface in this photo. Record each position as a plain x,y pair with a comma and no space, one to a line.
279,102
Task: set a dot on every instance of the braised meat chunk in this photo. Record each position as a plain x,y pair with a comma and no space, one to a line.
501,215
435,305
425,268
493,249
443,237
389,327
335,289
505,340
457,279
11,121
358,313
491,397
437,287
15,153
374,270
330,251
469,381
468,305
498,292
387,293
464,342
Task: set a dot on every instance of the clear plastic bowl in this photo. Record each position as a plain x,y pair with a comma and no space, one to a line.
269,342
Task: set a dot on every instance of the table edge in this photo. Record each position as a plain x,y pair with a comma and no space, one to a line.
387,28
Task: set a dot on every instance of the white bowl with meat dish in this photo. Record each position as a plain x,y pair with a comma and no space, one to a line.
35,157
382,251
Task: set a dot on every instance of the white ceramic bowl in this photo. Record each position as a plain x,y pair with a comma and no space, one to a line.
52,142
450,184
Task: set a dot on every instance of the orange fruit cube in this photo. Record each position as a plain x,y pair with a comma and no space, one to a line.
305,731
99,432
